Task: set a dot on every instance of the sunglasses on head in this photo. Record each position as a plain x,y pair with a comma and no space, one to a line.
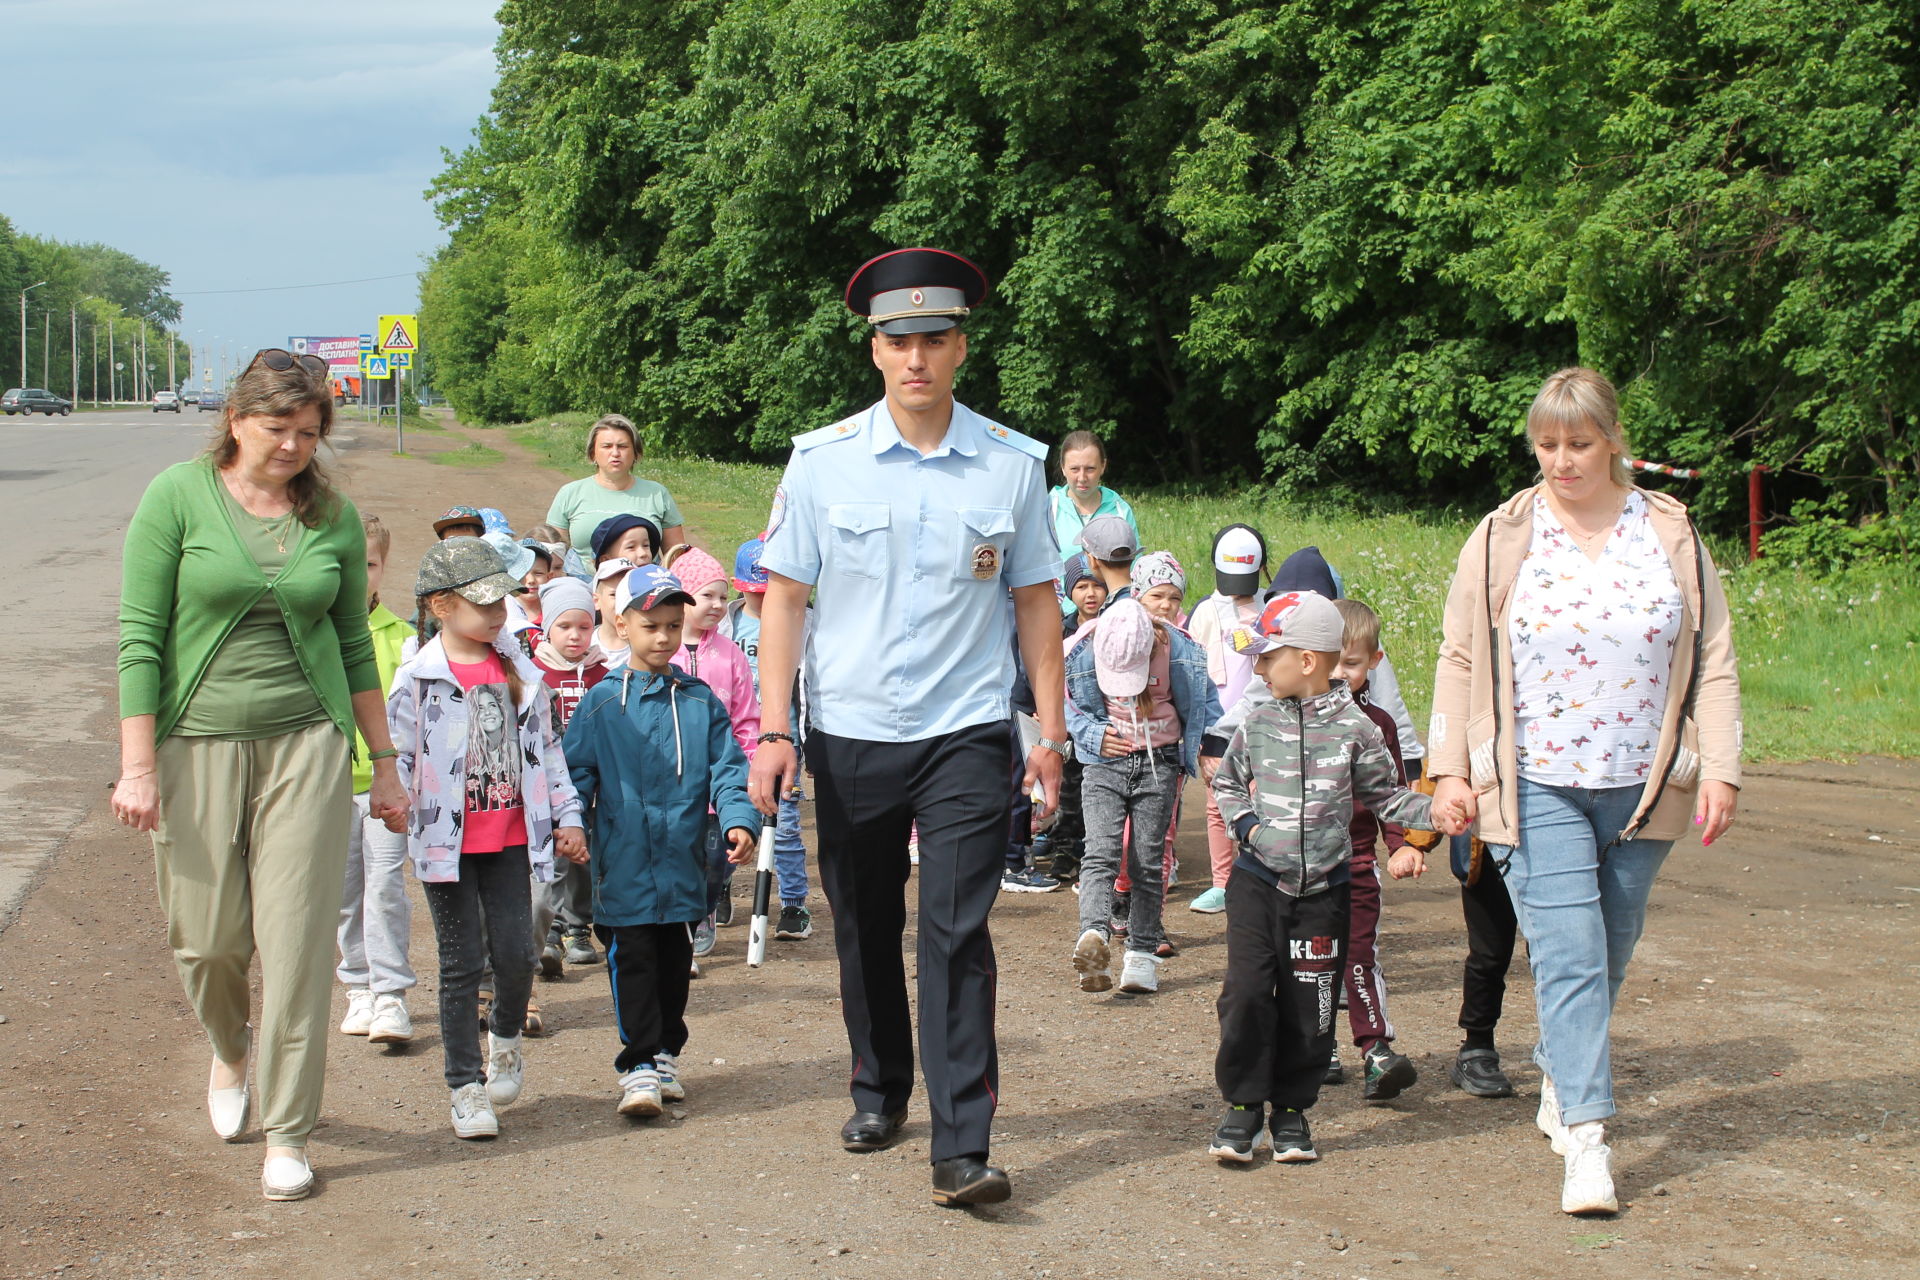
280,361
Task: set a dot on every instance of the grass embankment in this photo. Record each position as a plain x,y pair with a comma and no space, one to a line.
1829,667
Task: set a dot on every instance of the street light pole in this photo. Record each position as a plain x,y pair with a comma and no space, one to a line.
23,330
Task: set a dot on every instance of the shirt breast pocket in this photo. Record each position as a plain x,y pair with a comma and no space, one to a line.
982,549
859,538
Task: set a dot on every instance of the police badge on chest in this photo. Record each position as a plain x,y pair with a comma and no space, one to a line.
986,561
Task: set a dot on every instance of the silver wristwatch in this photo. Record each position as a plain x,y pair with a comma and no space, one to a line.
1058,748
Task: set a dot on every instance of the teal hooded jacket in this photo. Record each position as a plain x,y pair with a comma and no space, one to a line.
649,754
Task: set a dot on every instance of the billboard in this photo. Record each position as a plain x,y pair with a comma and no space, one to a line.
343,354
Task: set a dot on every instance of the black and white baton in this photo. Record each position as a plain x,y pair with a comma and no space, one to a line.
762,899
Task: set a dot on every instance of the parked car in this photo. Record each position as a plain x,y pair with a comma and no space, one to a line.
166,402
212,400
34,400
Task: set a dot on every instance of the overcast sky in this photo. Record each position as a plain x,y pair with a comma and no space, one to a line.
240,145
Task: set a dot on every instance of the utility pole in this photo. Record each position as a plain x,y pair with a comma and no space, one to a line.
96,363
23,330
113,386
171,380
73,349
46,346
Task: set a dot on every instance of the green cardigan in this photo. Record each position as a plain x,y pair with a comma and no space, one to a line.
187,579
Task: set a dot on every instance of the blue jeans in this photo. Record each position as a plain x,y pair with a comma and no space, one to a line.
1582,915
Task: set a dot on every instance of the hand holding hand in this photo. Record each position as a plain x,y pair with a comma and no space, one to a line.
740,845
1405,862
1453,797
1209,765
571,844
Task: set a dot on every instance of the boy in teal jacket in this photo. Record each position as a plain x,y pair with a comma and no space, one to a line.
650,750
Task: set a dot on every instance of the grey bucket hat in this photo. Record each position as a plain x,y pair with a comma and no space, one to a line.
467,565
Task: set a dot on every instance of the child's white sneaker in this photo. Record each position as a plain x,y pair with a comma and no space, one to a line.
1547,1118
667,1067
473,1113
359,1012
505,1069
1093,959
640,1092
1140,973
1588,1187
390,1024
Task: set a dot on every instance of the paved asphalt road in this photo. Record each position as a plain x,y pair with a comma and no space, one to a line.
67,488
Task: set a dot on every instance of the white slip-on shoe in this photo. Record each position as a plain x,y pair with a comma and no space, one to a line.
1093,959
667,1067
1547,1118
1588,1187
506,1068
640,1092
286,1177
472,1112
359,1012
230,1109
391,1024
1140,973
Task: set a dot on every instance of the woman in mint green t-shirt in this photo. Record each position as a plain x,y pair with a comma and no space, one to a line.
245,666
613,446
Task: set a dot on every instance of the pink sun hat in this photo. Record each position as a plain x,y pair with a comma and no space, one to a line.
1122,648
695,569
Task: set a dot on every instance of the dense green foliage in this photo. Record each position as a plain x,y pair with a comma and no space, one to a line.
92,291
1334,244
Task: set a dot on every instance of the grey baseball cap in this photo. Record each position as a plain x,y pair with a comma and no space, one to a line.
1110,538
1294,620
467,565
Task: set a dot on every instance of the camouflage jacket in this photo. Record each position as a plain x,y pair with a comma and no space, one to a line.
1296,767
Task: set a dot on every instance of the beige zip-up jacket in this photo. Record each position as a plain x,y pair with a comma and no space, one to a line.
1472,734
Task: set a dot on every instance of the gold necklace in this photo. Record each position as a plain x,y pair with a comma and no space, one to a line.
279,529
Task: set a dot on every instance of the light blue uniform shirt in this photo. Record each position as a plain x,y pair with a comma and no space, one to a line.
911,559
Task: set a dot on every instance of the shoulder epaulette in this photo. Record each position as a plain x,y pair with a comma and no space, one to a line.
845,429
1008,436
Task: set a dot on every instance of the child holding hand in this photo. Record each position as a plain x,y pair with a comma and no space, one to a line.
651,750
570,663
490,803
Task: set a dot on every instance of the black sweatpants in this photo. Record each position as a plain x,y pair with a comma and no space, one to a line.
649,966
1276,1004
867,796
484,919
1488,910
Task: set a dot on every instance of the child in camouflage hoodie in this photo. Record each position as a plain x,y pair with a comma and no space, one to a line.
1286,788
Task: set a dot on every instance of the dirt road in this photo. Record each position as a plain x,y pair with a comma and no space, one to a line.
1765,1069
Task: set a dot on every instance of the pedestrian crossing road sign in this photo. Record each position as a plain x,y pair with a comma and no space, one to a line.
377,367
401,360
399,333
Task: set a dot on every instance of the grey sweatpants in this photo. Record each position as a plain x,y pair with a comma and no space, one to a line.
376,915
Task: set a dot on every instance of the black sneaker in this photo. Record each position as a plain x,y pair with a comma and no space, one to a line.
1292,1140
723,909
1026,880
1336,1072
1122,913
1238,1134
1387,1072
580,948
1477,1071
552,964
795,923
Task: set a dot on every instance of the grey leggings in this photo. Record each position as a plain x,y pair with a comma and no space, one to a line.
486,914
1141,786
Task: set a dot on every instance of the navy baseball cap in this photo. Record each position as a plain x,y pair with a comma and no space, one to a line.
608,531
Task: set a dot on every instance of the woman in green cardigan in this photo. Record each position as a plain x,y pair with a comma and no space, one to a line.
245,663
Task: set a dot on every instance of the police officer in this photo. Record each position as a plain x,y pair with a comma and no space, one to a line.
910,523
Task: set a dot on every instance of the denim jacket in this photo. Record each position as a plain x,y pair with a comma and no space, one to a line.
1195,699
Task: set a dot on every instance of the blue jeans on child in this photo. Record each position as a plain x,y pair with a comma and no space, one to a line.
1582,914
789,856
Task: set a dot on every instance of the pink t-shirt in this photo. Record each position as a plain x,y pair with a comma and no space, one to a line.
1162,723
496,817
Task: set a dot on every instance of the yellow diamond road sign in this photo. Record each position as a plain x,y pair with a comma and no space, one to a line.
398,333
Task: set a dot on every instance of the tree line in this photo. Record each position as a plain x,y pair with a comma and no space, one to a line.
1333,245
97,307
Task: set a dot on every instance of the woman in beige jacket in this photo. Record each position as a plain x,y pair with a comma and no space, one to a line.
1586,702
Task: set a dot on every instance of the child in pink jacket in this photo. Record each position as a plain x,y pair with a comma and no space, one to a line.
707,654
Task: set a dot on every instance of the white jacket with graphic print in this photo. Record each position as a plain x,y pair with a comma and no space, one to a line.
427,712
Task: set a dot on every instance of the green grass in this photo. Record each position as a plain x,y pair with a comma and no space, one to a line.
1828,667
470,454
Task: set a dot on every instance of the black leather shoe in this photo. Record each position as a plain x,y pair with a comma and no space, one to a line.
872,1130
969,1180
1477,1071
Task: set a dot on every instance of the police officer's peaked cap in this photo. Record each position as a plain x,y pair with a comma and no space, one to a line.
916,290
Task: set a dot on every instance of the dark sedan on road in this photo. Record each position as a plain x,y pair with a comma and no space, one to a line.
34,400
212,400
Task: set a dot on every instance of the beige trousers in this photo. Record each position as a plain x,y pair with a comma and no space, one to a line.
250,855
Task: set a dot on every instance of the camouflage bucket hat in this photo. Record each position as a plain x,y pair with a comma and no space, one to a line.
466,565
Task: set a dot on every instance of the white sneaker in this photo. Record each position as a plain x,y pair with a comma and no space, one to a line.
505,1069
640,1092
473,1113
359,1012
667,1067
1589,1179
1094,960
1140,973
1547,1118
391,1025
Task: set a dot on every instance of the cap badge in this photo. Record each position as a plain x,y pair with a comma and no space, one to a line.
986,561
919,298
